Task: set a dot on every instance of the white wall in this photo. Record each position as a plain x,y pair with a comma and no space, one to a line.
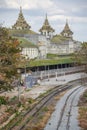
30,52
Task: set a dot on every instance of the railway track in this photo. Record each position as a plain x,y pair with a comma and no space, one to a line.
24,118
67,109
66,113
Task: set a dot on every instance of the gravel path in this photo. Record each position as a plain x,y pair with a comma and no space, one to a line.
45,85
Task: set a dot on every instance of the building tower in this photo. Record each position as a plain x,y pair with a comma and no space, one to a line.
66,31
21,23
46,29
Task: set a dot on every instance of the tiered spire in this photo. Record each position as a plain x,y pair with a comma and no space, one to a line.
66,31
21,22
46,29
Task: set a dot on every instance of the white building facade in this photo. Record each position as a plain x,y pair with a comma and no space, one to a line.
30,52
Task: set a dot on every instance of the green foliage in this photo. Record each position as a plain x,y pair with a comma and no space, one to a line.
52,56
20,32
30,100
80,56
59,39
3,100
45,109
25,43
19,104
85,94
13,100
11,110
9,58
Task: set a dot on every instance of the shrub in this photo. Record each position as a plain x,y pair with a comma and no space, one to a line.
3,100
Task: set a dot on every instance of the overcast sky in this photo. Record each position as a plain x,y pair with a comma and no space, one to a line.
58,11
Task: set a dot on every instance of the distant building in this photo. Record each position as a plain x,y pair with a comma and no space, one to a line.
63,48
46,29
30,52
42,50
21,23
66,31
39,45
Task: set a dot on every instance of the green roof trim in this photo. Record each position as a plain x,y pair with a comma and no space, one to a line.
50,62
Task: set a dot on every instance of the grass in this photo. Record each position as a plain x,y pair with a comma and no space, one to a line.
45,109
58,39
83,117
45,62
51,56
42,119
83,111
25,43
19,32
31,100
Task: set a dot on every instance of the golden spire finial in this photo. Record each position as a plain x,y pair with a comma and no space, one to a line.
46,15
20,9
66,21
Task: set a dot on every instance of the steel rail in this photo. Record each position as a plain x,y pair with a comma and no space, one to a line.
64,107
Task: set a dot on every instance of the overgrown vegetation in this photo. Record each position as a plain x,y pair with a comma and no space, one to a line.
3,100
44,114
49,61
80,55
24,42
80,58
17,109
14,32
59,39
9,59
52,56
83,111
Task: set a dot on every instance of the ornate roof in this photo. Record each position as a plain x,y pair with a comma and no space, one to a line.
46,26
21,22
67,29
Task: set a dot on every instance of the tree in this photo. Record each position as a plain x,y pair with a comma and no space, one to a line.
9,59
81,55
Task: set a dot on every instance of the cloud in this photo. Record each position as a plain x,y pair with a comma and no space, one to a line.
12,3
57,17
52,7
2,3
41,4
58,11
26,4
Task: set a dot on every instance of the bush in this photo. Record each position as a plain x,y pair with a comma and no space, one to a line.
30,100
3,100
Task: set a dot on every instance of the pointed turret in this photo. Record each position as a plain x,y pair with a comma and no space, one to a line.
21,22
66,31
46,29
